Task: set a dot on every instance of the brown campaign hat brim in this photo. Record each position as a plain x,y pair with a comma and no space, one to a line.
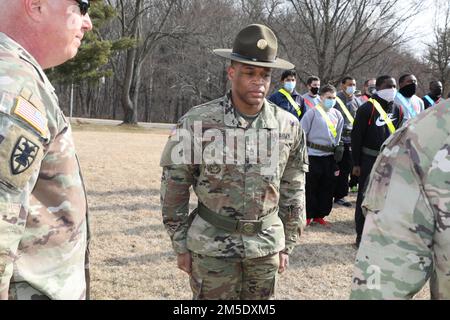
277,64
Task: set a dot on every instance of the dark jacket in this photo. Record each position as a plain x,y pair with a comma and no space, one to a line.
370,130
280,100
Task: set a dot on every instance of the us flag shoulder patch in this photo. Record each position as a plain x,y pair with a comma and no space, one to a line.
30,114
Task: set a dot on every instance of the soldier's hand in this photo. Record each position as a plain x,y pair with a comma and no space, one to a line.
284,262
184,262
357,171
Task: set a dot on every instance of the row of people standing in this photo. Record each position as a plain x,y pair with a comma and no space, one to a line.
345,133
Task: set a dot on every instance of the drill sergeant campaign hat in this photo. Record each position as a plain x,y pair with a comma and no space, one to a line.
255,45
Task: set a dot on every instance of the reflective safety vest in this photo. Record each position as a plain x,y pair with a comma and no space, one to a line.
383,114
309,103
291,101
330,124
346,112
431,101
408,105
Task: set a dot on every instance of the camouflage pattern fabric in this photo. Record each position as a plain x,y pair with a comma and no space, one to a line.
221,278
235,190
43,208
23,291
406,239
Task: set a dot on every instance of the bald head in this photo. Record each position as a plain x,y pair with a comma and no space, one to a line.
50,30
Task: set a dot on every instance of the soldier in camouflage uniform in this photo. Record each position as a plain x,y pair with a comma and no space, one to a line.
43,208
247,220
406,239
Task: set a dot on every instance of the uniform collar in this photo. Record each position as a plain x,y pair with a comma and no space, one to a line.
23,54
265,120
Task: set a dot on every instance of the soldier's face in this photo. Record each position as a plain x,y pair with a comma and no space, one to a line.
64,26
249,84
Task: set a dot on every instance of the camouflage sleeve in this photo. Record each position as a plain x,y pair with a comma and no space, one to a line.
292,192
394,260
21,153
177,178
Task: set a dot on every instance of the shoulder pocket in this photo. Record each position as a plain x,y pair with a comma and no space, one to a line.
21,152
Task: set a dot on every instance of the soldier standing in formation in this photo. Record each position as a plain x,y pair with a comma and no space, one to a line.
247,220
323,128
406,101
287,96
347,104
368,90
375,121
435,94
312,97
44,230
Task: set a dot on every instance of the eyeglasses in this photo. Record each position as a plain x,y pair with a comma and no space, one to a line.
84,6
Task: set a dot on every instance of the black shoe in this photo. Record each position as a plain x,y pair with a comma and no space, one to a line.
343,202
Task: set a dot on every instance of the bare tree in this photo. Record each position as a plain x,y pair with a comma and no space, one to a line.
339,36
147,22
172,68
439,51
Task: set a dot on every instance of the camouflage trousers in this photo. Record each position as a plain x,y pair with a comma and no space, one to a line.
234,279
23,291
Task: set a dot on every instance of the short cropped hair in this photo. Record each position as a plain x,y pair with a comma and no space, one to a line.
288,73
381,80
346,78
312,79
327,88
403,77
366,83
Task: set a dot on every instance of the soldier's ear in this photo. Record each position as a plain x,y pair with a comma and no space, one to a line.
231,72
33,8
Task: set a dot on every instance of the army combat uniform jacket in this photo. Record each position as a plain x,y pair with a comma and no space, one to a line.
43,211
406,239
237,191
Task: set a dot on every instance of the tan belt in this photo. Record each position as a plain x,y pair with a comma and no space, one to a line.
246,227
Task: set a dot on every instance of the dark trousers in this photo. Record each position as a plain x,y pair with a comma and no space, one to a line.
320,183
367,163
353,181
345,168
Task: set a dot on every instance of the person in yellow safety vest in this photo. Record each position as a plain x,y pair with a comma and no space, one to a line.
368,91
375,122
323,127
312,97
287,97
347,104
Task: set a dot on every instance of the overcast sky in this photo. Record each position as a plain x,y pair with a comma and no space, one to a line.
423,26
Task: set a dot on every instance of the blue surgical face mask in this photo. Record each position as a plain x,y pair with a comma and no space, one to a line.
329,103
290,86
350,90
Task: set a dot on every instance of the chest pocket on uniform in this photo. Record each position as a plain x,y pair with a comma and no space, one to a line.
21,153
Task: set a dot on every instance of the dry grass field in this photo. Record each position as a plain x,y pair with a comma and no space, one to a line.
131,255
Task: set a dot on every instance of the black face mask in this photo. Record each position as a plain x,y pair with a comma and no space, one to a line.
409,90
314,91
436,92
